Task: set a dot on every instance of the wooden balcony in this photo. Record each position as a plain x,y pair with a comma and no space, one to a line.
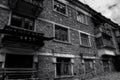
31,8
100,31
104,43
17,73
17,70
16,34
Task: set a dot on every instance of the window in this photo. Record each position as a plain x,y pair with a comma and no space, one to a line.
85,40
99,42
108,41
1,64
63,66
59,7
104,41
81,17
89,66
23,22
61,33
106,65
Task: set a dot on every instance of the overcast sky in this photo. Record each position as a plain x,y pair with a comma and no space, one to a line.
109,8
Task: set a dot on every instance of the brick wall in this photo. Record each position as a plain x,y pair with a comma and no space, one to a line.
46,66
46,26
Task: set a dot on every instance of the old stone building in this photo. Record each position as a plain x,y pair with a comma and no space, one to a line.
79,49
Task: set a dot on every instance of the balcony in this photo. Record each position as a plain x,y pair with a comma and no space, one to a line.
31,8
104,43
17,34
17,70
101,31
17,73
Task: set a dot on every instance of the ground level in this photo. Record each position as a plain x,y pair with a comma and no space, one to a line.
108,76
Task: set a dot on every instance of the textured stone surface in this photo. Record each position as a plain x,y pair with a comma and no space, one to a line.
108,76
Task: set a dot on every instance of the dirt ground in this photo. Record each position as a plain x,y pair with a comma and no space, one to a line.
108,76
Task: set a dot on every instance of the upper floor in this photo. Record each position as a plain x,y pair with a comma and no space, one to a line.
60,11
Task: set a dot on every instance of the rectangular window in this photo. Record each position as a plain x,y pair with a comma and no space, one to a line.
61,33
23,22
1,64
81,17
104,41
106,65
89,66
63,66
85,40
59,7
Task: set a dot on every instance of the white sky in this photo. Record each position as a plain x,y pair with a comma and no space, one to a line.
109,8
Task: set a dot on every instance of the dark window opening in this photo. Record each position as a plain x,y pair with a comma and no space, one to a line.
63,66
19,61
119,46
23,22
61,33
89,66
1,64
99,42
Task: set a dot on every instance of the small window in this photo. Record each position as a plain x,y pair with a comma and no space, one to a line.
61,33
89,66
59,7
63,67
1,64
85,40
20,21
81,17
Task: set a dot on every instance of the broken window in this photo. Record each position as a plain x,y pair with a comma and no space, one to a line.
63,67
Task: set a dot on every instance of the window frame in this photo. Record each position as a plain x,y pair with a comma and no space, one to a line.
68,33
66,9
89,40
91,65
84,20
24,22
1,64
71,67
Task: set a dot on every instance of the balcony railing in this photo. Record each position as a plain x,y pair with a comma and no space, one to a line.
17,34
17,70
18,73
102,31
104,43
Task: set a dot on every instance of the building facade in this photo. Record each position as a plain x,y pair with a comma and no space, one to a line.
76,52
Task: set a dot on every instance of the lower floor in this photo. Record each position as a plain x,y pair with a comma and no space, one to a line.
52,66
108,76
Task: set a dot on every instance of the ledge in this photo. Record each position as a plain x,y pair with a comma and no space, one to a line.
63,42
69,76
